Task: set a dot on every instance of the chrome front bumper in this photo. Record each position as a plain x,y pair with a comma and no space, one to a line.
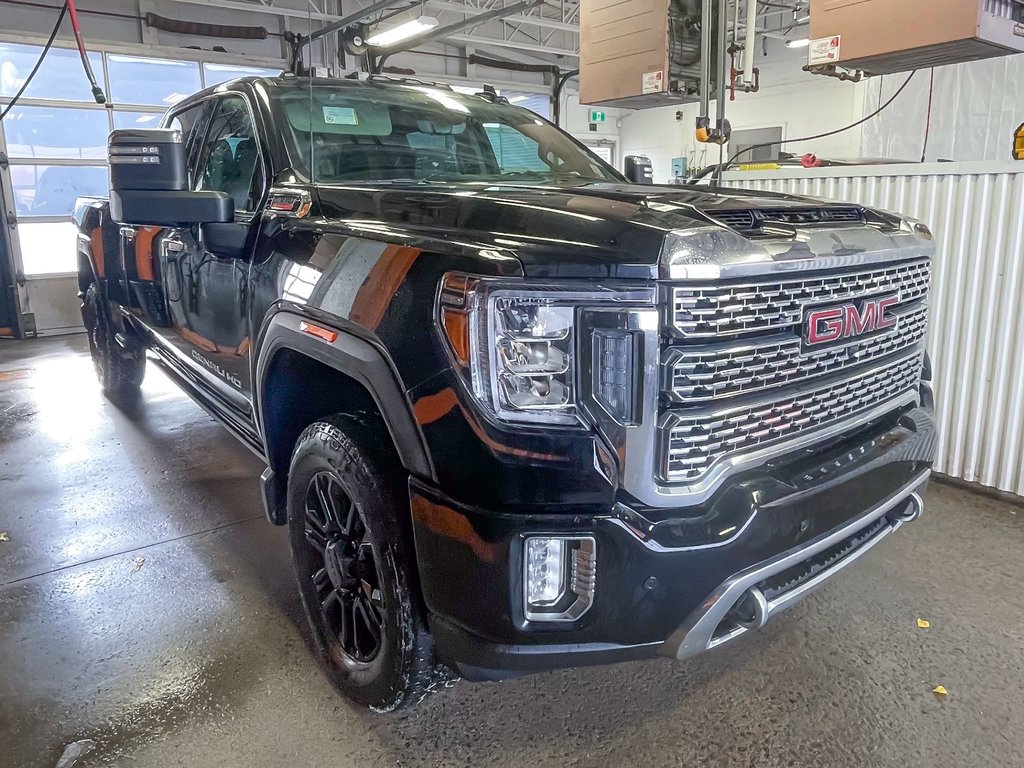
740,603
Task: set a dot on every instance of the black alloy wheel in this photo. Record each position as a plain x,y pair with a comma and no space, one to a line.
348,581
351,540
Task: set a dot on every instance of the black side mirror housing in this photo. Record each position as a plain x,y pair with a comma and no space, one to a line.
639,169
149,183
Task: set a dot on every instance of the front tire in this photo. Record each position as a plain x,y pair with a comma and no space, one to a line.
120,370
353,560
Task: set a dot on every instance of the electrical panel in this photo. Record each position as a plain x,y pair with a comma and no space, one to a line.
638,54
883,37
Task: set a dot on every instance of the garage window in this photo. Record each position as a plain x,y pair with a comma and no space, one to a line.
56,132
59,77
51,190
215,74
56,136
160,82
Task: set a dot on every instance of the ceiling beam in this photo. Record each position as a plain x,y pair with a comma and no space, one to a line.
537,21
480,41
266,10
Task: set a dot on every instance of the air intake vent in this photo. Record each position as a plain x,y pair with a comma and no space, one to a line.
751,222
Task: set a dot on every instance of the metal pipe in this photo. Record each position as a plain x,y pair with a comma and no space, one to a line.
751,41
723,59
736,23
705,58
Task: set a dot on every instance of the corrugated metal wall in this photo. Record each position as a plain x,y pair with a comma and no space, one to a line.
977,327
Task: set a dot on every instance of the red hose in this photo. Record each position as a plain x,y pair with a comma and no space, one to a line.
97,92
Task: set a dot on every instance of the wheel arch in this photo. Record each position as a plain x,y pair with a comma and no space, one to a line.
352,375
89,222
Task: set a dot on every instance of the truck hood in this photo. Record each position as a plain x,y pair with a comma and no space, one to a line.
600,230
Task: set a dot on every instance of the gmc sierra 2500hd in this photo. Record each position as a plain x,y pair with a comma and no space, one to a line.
517,412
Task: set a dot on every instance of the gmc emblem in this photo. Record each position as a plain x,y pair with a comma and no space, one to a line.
848,321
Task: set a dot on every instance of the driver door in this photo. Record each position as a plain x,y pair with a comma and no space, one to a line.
206,268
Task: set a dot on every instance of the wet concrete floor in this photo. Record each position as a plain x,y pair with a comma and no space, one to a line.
146,606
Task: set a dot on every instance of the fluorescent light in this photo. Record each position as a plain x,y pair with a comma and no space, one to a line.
402,32
801,42
518,99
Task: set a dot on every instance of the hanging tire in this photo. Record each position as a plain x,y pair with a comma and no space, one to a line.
354,561
120,370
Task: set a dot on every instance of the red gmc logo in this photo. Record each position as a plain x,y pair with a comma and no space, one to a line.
826,326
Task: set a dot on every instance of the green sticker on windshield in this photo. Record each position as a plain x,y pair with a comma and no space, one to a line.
340,116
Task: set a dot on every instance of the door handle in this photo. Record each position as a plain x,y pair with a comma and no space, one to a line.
174,245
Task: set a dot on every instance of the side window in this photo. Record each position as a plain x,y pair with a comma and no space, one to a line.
229,161
189,122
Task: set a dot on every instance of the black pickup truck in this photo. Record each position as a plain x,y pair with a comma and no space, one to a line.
517,412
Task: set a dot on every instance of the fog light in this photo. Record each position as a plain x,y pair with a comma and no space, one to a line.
559,575
545,571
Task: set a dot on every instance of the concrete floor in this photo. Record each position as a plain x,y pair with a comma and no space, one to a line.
145,605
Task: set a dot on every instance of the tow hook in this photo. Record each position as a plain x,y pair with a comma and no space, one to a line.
913,510
751,610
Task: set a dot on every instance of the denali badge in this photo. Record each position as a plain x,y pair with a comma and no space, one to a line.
835,324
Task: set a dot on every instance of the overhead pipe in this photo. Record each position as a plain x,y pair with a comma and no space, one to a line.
705,57
556,98
751,41
723,57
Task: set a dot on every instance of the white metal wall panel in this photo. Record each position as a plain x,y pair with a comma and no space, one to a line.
977,332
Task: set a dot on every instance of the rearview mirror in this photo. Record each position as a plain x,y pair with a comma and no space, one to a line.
149,183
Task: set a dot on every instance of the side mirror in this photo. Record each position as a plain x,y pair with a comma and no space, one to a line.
639,169
149,183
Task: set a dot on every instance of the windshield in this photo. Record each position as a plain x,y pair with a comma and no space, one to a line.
344,133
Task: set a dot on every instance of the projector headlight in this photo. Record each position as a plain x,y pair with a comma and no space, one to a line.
517,346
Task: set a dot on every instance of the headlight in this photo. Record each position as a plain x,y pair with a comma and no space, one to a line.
517,346
527,365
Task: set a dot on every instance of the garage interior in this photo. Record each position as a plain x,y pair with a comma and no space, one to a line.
149,612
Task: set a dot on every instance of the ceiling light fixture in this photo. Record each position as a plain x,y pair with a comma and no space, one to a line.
801,42
414,28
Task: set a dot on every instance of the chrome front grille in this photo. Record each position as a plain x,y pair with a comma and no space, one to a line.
701,374
709,311
698,440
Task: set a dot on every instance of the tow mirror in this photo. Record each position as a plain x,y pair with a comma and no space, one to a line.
149,183
639,169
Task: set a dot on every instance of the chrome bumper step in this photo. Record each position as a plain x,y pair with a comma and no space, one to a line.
750,598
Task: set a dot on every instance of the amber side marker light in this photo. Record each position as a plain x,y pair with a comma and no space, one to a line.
1018,143
321,333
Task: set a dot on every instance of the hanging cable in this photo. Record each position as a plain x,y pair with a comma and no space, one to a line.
97,92
928,119
718,169
39,61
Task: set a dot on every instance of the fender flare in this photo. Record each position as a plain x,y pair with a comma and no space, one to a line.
357,358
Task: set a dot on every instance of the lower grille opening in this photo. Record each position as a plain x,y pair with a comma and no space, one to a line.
781,583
